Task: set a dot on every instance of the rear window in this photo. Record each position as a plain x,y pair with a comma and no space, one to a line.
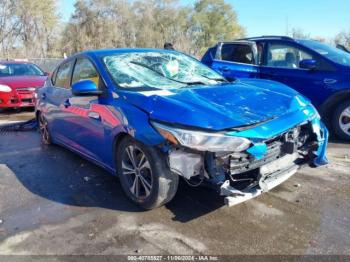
17,69
238,53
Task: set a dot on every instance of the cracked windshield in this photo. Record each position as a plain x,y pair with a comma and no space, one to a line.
156,70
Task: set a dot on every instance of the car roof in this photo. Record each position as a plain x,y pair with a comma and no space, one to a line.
7,62
265,37
122,50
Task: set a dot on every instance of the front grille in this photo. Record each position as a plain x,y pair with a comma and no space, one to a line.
25,90
286,143
14,101
27,100
247,163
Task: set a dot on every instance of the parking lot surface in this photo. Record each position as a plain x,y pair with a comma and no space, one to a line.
55,202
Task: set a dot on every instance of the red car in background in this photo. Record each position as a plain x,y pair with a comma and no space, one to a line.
18,82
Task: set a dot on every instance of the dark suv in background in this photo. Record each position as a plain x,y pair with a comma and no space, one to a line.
318,71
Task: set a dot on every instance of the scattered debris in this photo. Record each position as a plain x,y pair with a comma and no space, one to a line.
1,221
313,243
29,125
297,185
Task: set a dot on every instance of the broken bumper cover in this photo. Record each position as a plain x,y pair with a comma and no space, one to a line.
322,134
278,171
271,175
235,197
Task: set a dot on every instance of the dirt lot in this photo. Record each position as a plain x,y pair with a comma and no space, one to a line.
54,202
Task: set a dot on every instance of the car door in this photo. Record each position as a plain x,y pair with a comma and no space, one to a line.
87,114
282,63
237,59
56,97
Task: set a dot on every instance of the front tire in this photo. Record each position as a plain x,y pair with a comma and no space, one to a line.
341,121
144,174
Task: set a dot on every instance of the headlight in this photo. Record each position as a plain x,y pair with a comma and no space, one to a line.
203,141
5,88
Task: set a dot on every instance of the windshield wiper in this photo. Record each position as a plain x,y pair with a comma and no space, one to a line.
215,79
172,79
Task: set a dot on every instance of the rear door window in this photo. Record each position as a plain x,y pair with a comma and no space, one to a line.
237,53
63,75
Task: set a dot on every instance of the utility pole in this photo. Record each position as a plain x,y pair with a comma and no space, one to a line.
287,26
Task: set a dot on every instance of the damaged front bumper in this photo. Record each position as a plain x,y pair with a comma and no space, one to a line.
235,197
282,166
271,160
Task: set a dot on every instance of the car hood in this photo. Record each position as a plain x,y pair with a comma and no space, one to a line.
23,81
219,107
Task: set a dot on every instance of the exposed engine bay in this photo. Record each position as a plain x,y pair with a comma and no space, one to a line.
240,176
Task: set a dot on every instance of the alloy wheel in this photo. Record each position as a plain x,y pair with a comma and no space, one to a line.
344,121
136,168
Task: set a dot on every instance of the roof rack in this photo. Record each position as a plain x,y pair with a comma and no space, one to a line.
269,36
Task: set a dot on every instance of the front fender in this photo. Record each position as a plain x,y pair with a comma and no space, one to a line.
136,123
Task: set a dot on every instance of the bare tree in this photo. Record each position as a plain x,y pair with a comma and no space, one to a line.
38,20
343,38
31,28
9,27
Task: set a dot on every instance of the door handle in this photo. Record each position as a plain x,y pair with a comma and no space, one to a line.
66,103
329,81
94,115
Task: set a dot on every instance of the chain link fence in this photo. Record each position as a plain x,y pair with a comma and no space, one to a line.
46,64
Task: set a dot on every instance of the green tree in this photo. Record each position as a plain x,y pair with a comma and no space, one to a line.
212,21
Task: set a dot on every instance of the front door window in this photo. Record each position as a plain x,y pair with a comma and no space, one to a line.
285,56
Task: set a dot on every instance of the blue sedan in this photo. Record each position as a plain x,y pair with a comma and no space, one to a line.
151,116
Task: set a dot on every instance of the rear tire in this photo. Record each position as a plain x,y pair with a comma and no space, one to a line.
144,174
44,129
341,121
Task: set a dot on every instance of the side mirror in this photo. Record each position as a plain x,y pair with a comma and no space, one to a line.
47,74
85,88
309,64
